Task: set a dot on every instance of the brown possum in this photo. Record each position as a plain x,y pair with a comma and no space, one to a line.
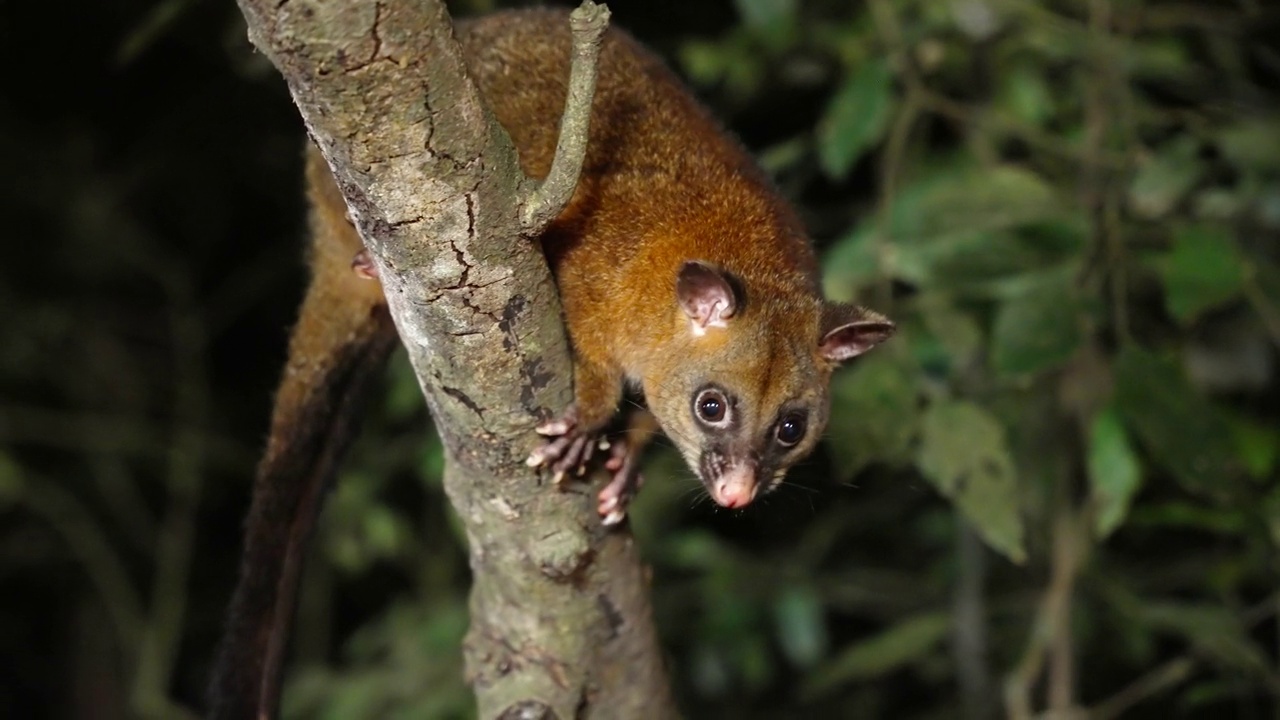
683,273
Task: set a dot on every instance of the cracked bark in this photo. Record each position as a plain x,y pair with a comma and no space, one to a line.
561,623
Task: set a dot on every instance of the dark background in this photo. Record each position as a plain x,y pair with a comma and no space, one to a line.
1071,208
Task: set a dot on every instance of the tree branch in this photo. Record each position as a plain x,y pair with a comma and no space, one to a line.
561,625
589,22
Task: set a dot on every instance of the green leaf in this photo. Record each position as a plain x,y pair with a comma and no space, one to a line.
1114,471
1268,211
709,672
11,480
384,531
875,412
1220,204
703,62
1026,94
960,262
1214,630
158,23
1257,445
1163,180
1038,328
403,398
952,227
431,462
856,118
696,550
906,643
965,455
970,200
1180,429
1253,143
1203,271
851,265
1271,511
956,331
1189,515
801,623
765,13
1159,56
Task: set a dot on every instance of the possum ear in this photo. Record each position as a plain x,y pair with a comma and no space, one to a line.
707,296
850,330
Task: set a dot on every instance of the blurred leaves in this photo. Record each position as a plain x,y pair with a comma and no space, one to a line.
1037,327
765,13
1180,429
965,455
1203,271
1251,144
1114,471
1164,180
908,642
802,631
875,413
406,664
1026,93
857,117
952,228
1213,630
11,481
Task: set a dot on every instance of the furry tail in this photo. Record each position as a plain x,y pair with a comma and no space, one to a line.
337,351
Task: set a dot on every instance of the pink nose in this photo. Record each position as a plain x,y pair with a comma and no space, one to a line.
734,489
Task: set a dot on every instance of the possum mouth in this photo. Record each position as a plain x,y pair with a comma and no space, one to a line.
731,485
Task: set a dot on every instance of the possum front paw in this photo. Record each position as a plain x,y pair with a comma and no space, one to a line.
568,449
614,497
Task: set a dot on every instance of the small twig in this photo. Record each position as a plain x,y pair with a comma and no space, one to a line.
1052,623
890,179
895,147
87,542
1275,609
124,436
122,499
169,593
588,22
1034,137
1262,305
969,633
1162,678
1102,97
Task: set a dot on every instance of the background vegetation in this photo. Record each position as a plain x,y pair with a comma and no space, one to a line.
1056,488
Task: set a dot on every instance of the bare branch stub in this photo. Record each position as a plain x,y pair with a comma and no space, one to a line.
548,198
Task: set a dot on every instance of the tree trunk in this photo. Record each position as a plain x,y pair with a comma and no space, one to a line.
561,623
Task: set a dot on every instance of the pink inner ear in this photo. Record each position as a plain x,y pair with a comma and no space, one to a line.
850,341
705,295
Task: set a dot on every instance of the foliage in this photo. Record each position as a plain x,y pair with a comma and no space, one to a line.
1073,225
1059,479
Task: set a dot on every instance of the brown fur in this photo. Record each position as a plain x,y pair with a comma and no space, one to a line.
662,184
343,337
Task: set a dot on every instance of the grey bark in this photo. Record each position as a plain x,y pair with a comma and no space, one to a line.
561,622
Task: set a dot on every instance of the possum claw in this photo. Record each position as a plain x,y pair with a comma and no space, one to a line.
616,495
568,449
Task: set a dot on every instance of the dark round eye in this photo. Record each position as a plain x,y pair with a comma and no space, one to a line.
711,406
791,430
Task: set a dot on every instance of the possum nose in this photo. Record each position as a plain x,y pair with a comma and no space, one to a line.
735,488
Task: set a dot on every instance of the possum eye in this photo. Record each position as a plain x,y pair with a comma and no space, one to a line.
711,407
790,429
